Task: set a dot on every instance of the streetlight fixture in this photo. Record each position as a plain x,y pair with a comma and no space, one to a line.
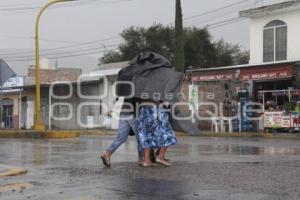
38,123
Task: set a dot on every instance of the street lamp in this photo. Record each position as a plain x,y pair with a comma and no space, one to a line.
38,123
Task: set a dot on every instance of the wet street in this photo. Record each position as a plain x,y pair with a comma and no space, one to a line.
203,168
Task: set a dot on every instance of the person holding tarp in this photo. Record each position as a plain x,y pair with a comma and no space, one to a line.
157,85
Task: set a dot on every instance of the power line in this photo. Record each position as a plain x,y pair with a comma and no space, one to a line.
225,22
82,51
215,10
202,14
221,15
63,47
76,3
211,11
210,26
41,39
65,56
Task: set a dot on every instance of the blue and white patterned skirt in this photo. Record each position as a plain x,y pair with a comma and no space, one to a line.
154,129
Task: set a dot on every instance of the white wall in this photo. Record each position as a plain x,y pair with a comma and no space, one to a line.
30,114
292,18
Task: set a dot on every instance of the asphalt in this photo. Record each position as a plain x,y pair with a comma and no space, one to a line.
2,169
203,168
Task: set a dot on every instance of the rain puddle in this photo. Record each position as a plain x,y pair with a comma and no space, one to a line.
247,150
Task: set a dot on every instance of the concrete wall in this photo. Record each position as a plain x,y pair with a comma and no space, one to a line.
214,92
89,99
90,106
61,74
291,18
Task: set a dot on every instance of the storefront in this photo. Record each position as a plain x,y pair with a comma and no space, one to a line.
273,86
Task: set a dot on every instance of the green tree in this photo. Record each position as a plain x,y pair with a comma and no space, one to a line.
156,38
179,59
230,54
241,56
111,57
200,50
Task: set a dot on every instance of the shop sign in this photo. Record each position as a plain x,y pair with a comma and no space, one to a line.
277,120
273,72
214,76
280,93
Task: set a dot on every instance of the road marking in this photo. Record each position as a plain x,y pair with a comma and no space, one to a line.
12,171
15,187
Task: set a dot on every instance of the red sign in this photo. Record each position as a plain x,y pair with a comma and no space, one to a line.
249,73
262,73
214,76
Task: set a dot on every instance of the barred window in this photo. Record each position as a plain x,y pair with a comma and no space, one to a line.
275,41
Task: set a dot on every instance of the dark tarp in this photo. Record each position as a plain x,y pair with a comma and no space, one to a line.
153,74
184,125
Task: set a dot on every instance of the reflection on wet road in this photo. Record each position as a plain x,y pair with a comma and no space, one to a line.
203,168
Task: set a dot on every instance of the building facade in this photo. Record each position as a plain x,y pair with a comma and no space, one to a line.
274,32
69,99
272,75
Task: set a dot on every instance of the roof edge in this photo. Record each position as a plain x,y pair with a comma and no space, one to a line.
268,8
244,65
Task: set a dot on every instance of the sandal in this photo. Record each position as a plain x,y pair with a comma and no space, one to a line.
165,163
166,159
146,165
140,162
105,160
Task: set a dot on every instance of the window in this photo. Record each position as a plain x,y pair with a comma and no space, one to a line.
275,41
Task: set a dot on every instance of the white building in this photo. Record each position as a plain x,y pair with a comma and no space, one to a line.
272,76
274,32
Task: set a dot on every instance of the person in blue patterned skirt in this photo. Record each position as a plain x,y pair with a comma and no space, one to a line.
155,132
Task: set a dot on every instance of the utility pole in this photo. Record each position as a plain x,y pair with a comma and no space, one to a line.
38,123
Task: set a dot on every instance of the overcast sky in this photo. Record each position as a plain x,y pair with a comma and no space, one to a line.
70,24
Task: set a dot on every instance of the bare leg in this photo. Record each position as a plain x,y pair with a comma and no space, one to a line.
162,153
161,157
157,153
147,159
108,154
123,131
106,158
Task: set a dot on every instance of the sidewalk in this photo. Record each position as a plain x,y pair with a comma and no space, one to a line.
203,134
105,132
38,134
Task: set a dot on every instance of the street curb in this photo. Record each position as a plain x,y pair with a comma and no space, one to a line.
12,171
114,133
62,134
76,134
201,134
98,132
38,135
245,134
